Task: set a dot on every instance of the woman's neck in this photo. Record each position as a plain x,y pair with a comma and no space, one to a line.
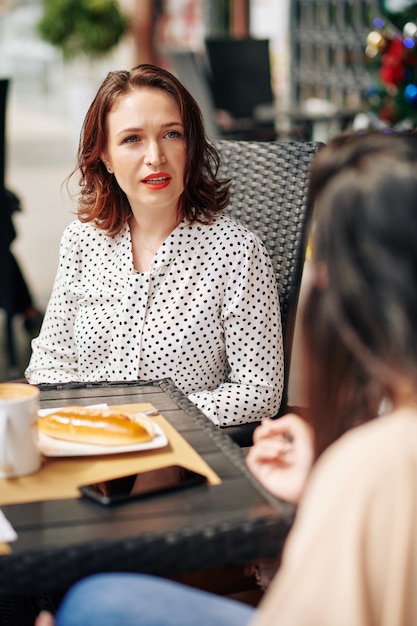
147,235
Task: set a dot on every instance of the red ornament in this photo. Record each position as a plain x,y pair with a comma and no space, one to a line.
392,71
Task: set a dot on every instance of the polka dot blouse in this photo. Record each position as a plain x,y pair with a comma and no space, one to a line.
206,315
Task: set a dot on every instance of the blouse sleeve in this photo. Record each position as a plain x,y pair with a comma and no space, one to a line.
253,339
351,557
54,356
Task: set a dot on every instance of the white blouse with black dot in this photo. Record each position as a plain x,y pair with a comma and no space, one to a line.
206,315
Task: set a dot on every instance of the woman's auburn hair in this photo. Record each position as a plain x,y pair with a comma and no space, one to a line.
359,330
101,200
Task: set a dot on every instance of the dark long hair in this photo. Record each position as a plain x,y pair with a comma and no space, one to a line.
101,199
359,320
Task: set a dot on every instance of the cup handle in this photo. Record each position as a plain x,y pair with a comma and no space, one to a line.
4,424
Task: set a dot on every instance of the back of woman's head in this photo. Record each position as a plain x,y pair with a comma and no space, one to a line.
359,325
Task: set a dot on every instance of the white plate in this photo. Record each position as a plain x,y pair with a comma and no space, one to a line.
59,447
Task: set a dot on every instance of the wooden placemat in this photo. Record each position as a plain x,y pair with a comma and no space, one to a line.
59,477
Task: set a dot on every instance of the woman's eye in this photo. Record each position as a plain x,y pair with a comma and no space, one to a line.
131,139
173,134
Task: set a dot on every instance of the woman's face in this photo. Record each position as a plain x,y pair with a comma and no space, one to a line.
146,149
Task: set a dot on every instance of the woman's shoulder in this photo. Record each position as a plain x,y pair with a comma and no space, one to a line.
226,233
387,444
370,468
229,226
382,430
76,229
228,222
83,232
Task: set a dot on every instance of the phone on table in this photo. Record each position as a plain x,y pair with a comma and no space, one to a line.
161,480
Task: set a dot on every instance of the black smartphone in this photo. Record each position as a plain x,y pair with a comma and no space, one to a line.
161,480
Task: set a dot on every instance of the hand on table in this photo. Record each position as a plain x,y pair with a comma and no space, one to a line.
282,455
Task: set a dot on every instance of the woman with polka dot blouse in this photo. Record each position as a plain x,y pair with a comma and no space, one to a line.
153,280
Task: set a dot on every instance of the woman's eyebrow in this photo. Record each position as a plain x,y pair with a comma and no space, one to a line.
135,129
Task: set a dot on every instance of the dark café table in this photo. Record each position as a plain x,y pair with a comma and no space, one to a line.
205,527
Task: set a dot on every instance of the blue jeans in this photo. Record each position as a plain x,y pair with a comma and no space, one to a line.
141,600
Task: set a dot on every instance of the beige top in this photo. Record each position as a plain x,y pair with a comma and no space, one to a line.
351,557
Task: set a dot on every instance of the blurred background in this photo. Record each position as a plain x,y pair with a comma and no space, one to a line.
260,69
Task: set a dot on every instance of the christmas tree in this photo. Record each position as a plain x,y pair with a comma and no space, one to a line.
392,55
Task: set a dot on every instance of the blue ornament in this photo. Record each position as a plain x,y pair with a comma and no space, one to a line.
410,93
409,43
378,22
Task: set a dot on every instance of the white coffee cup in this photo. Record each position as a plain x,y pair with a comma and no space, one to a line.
19,453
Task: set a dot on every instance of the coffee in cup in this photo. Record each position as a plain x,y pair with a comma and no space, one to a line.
19,453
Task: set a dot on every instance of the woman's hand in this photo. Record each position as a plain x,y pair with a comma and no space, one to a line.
45,619
282,455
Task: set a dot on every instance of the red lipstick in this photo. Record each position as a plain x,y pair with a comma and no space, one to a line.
159,180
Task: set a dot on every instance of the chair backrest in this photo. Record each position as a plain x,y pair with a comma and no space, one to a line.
269,197
192,70
240,72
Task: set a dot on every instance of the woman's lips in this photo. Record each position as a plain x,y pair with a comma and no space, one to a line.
159,180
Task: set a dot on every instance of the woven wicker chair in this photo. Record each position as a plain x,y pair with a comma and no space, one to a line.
269,190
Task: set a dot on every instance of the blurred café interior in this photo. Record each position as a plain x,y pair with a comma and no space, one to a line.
261,70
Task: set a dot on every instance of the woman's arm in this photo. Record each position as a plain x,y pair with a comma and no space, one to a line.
253,340
54,355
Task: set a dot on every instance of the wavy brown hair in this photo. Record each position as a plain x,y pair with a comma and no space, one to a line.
359,320
101,200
